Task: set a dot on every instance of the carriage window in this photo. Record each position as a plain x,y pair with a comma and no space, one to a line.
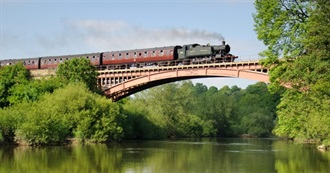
145,54
119,56
127,55
140,54
161,52
113,56
32,62
60,59
93,59
153,53
135,55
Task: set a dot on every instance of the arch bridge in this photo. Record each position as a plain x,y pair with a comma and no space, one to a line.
118,84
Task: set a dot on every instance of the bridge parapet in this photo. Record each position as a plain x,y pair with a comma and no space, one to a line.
42,73
239,65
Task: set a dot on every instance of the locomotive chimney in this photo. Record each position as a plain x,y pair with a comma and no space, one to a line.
223,42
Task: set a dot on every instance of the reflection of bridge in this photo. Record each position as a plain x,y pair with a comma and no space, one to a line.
120,83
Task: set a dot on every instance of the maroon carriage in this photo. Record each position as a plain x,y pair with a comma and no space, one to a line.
30,63
54,61
140,57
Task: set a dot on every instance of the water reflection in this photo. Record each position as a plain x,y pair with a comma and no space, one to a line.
202,155
300,158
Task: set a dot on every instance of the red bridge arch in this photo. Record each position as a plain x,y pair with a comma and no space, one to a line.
118,84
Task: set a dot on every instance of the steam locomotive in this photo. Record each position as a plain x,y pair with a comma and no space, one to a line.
138,58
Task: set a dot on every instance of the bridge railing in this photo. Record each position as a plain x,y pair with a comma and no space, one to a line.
160,68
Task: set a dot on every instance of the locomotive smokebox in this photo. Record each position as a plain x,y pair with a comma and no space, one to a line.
225,47
222,48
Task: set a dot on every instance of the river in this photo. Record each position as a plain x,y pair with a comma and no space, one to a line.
206,155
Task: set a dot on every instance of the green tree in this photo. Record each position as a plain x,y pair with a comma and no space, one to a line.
9,77
168,111
306,69
280,24
173,101
256,110
79,70
32,91
199,88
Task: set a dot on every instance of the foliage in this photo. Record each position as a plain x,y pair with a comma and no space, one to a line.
258,124
9,121
185,110
304,110
167,107
41,127
33,90
59,115
139,126
10,76
173,110
78,70
17,86
280,25
257,106
101,122
39,112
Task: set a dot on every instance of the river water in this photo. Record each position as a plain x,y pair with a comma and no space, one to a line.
206,155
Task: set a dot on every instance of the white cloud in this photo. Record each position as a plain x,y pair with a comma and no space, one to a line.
118,35
86,36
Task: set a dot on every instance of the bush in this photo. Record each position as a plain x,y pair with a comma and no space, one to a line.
70,111
10,118
41,128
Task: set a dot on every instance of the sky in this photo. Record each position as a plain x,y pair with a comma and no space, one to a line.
36,28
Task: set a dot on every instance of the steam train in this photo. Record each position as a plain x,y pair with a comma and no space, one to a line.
138,58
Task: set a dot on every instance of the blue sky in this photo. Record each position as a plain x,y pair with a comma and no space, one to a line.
34,28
